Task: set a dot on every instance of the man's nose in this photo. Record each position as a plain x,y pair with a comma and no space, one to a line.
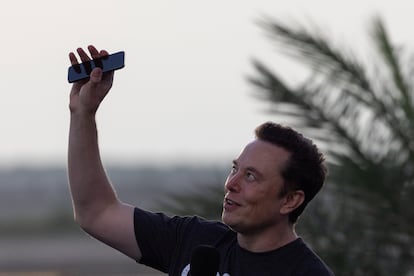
233,183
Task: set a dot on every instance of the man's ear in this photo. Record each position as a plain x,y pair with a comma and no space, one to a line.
293,200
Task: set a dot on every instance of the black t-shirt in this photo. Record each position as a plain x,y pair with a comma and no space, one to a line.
166,244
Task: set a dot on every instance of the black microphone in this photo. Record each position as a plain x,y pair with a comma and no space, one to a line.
205,261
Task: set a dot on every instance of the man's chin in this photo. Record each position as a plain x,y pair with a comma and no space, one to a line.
226,219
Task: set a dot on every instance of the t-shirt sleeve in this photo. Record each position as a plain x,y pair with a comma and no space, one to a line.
155,237
167,241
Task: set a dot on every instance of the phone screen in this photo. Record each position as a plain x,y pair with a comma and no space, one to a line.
82,71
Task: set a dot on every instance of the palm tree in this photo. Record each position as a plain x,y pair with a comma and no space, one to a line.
362,115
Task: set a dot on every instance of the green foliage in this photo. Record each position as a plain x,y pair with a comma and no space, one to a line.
362,116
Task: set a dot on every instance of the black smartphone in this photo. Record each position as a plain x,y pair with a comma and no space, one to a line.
108,63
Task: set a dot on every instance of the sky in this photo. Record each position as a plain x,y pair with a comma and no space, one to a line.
183,94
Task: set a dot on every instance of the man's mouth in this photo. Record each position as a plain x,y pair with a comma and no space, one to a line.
231,202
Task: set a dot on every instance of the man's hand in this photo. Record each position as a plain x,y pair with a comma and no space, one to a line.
86,95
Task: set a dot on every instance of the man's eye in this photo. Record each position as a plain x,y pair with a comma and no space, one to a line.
233,169
250,176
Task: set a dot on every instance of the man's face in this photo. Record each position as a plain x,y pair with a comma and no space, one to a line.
252,202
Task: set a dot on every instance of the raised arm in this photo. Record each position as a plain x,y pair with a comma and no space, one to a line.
96,206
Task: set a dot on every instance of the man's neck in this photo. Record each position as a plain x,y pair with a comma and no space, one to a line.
267,240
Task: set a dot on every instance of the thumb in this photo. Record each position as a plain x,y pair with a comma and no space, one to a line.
96,75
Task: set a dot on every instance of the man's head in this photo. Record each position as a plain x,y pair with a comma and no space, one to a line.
272,180
304,169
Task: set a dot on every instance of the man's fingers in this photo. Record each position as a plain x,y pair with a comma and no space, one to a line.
73,59
82,54
104,53
94,52
96,75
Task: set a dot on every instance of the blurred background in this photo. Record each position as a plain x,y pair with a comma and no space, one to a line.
199,77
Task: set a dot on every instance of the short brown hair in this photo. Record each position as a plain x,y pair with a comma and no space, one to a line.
305,170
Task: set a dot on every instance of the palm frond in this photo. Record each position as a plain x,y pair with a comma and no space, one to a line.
344,78
402,96
315,50
390,56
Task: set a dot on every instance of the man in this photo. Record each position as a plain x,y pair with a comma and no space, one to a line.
270,183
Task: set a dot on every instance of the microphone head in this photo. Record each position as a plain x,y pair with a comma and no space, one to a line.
205,261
